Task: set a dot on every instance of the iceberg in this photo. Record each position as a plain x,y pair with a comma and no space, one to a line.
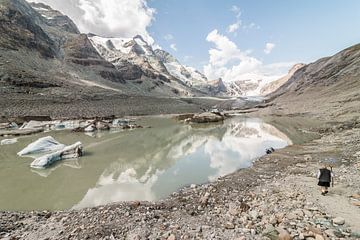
36,124
122,122
73,151
90,128
11,125
42,145
71,124
8,141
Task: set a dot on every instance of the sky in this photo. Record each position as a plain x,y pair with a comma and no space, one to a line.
231,39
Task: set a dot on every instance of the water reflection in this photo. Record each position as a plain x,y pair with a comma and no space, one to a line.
160,161
142,164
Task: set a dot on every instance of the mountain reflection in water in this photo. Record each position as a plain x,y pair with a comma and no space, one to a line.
143,164
161,161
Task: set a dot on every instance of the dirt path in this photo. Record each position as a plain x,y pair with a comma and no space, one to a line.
336,203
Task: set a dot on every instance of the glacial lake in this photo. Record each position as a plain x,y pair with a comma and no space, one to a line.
140,164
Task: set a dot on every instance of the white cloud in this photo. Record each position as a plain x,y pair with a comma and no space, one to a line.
251,26
173,47
225,53
188,58
236,10
168,37
269,47
234,27
110,18
228,62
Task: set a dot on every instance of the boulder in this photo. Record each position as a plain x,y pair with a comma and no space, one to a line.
339,221
284,235
206,118
204,199
229,225
185,116
270,232
233,209
319,237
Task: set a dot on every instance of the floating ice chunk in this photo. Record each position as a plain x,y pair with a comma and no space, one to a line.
122,122
36,124
11,125
71,124
8,141
42,145
90,128
68,152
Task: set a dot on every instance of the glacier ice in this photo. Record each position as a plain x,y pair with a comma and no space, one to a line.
42,145
8,141
68,152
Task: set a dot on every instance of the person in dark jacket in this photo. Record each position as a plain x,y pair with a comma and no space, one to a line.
325,176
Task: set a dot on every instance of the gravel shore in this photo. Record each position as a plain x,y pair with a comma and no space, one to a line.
277,198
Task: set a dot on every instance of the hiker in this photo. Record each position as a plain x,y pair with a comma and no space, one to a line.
325,176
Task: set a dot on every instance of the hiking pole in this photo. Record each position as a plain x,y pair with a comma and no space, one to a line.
332,178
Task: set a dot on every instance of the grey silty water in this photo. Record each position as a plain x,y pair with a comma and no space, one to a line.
142,164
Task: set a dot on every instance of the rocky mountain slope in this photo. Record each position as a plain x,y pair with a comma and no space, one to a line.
57,60
328,87
273,86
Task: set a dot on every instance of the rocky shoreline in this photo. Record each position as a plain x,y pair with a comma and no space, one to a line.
277,198
105,106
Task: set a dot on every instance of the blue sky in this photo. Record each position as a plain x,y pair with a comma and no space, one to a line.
197,32
301,30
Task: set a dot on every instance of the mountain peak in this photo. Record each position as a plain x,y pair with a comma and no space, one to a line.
140,40
165,56
55,18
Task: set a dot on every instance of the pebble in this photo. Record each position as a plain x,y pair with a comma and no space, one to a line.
229,225
339,221
171,237
284,235
319,237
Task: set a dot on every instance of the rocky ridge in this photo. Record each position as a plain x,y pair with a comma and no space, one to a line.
273,86
55,57
327,88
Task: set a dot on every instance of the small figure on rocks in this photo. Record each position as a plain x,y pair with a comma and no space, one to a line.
325,177
270,150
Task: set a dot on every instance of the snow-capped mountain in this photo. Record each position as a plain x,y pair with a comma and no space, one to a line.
153,63
188,75
250,84
59,56
134,51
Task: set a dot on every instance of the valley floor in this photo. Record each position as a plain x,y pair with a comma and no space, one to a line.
277,198
91,106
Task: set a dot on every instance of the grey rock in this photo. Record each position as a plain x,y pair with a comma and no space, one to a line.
339,221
